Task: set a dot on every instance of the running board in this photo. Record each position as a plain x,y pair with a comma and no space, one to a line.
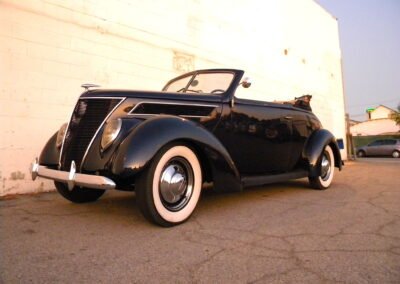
261,180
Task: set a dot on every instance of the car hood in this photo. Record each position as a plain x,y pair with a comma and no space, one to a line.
152,95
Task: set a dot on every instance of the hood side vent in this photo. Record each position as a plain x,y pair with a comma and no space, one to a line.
185,110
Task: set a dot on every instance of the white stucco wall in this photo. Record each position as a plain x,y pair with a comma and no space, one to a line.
375,127
49,48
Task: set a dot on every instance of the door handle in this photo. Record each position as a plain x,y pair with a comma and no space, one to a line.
288,117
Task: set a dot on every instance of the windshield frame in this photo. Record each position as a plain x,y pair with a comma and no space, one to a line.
237,75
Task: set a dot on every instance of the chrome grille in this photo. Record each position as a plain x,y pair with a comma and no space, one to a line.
87,117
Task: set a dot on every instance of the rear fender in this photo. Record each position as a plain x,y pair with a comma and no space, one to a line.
314,146
141,145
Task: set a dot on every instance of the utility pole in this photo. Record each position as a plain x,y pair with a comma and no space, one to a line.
349,140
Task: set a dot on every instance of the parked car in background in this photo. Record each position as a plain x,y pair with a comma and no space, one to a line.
165,144
383,147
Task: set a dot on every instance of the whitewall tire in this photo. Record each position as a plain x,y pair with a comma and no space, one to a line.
327,164
167,192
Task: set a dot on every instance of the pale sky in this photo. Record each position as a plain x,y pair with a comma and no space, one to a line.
370,42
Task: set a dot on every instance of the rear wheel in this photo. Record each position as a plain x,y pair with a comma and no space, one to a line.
168,191
327,165
396,154
78,194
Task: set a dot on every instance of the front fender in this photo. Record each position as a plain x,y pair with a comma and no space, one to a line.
50,154
142,144
314,147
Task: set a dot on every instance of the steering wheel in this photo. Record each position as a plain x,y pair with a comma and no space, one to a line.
217,90
189,90
194,91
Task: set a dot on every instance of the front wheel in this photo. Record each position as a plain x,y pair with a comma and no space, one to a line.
327,165
396,154
361,154
167,192
78,194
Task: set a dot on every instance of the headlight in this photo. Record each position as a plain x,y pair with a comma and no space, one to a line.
61,134
111,131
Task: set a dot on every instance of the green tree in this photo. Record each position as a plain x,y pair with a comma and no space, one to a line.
396,115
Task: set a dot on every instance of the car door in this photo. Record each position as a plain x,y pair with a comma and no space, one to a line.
387,147
258,136
373,148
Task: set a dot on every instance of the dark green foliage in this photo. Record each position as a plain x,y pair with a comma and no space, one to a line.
364,140
396,116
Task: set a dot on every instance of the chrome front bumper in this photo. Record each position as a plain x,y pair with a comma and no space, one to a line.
71,178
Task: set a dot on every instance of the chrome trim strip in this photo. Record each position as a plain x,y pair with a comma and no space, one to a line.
84,98
71,178
156,114
101,125
169,103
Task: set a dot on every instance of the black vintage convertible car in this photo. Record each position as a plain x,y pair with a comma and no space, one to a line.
165,145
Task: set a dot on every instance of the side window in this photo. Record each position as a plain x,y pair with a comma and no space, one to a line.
376,143
390,142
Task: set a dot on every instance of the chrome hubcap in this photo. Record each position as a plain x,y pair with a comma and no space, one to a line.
176,184
325,166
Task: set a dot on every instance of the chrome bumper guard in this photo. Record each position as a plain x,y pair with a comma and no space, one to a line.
71,178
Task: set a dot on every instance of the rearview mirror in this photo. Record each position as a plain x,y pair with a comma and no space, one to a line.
246,83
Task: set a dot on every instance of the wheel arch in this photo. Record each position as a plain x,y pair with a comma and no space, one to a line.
205,163
141,145
361,150
314,147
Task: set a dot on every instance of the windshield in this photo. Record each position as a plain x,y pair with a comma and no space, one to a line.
202,83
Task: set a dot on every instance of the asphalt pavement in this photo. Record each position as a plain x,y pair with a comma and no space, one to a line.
281,233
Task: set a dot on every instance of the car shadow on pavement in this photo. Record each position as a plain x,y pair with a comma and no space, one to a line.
121,207
125,203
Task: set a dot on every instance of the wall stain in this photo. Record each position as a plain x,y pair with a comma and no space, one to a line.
10,189
183,62
17,175
40,187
